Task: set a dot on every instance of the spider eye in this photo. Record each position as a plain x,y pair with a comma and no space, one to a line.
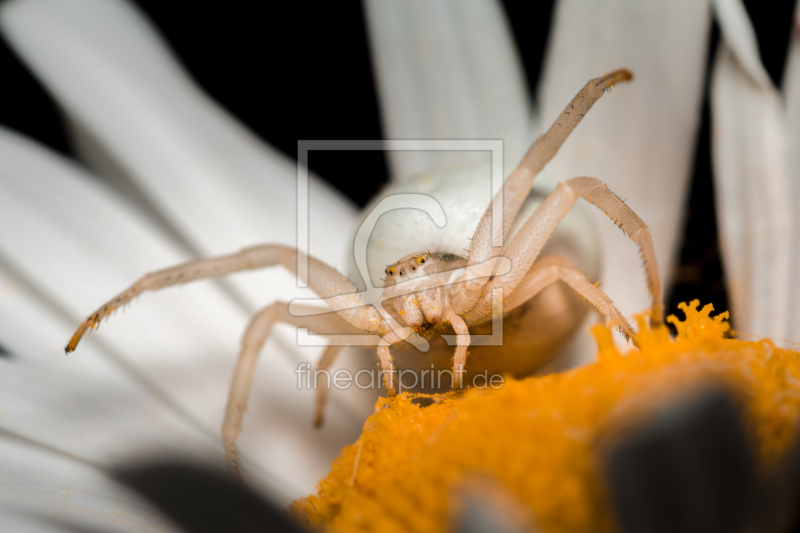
421,260
390,271
413,268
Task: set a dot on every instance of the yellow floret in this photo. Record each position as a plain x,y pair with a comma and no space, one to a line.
538,437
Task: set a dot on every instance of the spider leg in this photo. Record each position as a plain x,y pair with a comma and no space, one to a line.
552,268
352,314
253,340
518,184
321,390
387,362
462,343
527,244
323,280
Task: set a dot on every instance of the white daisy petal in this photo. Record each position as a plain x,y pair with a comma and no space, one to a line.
791,94
84,407
641,139
75,244
207,179
447,70
54,399
64,410
212,182
740,38
751,182
45,491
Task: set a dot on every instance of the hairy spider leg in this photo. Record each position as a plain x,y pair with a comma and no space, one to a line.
327,360
518,184
527,244
514,192
324,280
552,268
462,343
256,334
342,297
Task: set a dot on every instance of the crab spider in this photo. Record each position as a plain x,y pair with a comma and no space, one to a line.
426,288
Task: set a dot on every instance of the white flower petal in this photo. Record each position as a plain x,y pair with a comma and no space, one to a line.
640,139
207,179
44,491
791,94
447,70
99,422
55,399
751,182
215,185
738,36
76,244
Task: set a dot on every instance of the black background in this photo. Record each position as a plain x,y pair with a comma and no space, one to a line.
303,71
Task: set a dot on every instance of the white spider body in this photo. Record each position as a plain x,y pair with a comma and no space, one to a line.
463,194
532,334
455,266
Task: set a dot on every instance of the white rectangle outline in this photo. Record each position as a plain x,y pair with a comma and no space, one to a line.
471,145
495,147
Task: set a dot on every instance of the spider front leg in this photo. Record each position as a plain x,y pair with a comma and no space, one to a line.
324,280
544,272
341,296
327,360
525,248
462,343
387,362
476,302
527,244
253,340
518,184
552,268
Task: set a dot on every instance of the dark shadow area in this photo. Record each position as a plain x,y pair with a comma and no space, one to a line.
203,499
689,467
699,273
5,353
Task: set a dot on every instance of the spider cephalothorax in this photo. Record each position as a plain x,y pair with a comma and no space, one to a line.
428,288
427,275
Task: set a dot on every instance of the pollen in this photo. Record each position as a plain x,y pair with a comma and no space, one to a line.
537,437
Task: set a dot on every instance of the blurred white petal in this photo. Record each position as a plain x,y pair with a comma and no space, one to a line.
791,94
751,181
84,413
447,70
55,399
641,139
214,186
740,38
211,181
74,244
43,491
